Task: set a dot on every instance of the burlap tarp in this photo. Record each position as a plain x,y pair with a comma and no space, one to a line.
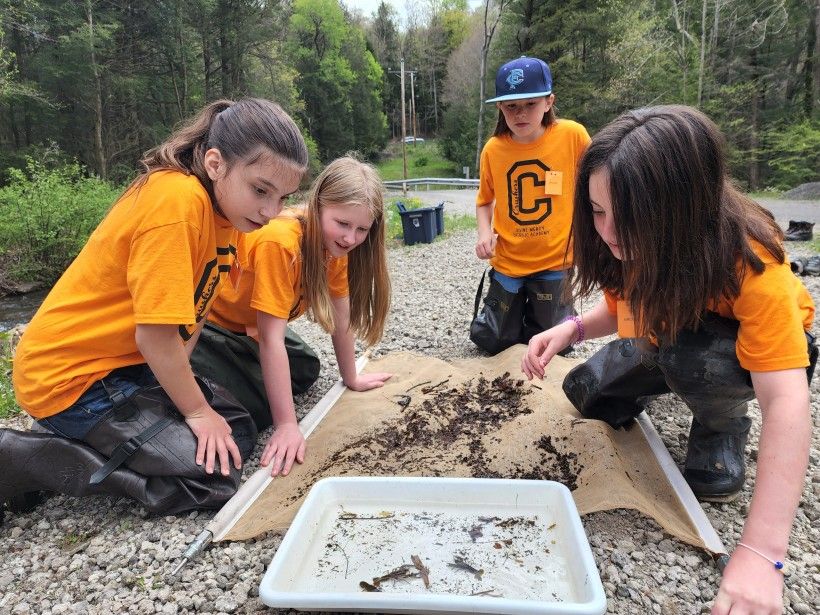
410,428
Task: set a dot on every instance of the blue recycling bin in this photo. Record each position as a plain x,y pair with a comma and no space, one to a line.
418,225
439,218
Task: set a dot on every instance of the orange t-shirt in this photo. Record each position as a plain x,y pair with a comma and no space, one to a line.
533,187
271,278
773,309
158,257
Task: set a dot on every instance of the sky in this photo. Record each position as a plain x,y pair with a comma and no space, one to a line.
368,7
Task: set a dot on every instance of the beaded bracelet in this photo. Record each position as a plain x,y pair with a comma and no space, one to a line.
579,326
781,567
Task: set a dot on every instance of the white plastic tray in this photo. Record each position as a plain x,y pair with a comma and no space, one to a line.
524,540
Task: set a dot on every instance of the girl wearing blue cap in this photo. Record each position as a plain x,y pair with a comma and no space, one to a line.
524,207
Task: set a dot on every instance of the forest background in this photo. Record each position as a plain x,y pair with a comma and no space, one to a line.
87,86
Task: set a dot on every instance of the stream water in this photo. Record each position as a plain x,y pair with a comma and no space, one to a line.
18,309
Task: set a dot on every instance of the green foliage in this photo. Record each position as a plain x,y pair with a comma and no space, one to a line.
338,78
8,405
793,153
46,216
421,161
458,135
391,167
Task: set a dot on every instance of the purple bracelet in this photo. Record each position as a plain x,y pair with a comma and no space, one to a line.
579,326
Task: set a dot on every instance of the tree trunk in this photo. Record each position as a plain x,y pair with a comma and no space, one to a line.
206,63
754,141
702,65
812,52
99,153
480,130
488,38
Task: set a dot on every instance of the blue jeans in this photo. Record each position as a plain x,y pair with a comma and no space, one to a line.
513,285
77,420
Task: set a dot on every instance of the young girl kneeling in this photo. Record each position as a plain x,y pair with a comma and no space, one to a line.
328,260
697,286
103,366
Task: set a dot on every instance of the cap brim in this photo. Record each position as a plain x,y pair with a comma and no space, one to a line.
517,96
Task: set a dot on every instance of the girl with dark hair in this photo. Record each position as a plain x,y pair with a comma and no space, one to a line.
696,286
524,207
326,259
103,366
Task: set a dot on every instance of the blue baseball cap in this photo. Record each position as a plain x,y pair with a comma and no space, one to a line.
523,77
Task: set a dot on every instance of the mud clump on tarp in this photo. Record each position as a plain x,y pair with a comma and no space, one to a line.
440,428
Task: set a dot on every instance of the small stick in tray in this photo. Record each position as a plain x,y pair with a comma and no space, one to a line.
368,587
487,592
382,516
424,571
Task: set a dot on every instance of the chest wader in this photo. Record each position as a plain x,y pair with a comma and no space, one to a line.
141,448
701,367
543,308
499,324
232,361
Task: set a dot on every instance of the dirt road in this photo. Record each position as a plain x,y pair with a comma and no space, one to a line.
463,201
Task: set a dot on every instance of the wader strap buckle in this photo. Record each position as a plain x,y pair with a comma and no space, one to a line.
128,448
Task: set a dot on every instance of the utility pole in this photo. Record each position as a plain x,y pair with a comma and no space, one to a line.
413,105
403,133
401,72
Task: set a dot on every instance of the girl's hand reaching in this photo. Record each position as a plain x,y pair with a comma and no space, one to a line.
750,584
285,445
213,438
365,382
544,346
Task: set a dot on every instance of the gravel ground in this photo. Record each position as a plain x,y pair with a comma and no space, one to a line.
101,555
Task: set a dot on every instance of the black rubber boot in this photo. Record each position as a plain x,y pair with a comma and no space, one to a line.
799,231
615,383
798,265
701,367
812,265
543,308
715,465
232,361
36,461
500,322
160,472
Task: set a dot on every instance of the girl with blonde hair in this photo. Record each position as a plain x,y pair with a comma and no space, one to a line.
326,259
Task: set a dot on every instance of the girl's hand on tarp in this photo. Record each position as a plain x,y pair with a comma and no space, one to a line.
285,445
365,382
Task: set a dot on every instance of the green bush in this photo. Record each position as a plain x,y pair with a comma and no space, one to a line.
46,216
421,161
8,405
793,153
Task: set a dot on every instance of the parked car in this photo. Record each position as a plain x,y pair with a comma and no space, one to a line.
412,139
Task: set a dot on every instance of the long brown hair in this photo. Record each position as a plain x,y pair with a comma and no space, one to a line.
683,228
348,182
243,130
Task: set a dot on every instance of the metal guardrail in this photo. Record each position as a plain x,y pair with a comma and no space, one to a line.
396,184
